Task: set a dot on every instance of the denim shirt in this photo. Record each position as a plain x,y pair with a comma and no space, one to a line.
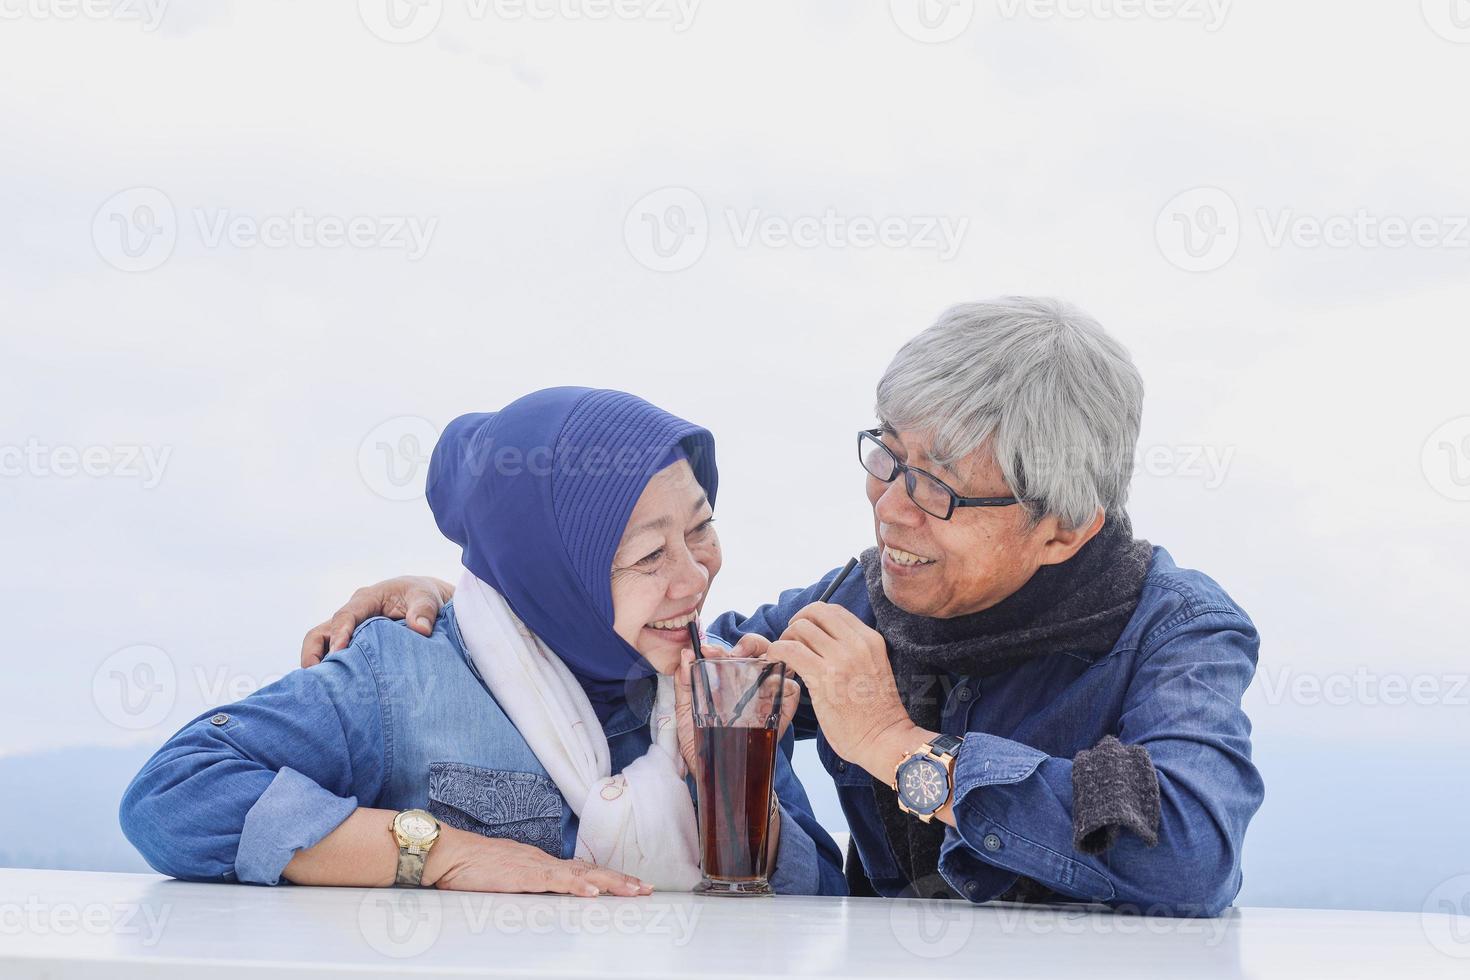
396,720
1172,684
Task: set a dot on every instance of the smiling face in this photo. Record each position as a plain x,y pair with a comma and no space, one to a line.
979,556
664,564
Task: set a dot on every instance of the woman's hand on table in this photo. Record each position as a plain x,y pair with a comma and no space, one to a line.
465,861
362,853
416,599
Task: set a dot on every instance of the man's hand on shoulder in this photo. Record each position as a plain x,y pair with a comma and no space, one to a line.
416,599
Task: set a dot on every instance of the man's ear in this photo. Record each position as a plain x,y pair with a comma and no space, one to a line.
1066,542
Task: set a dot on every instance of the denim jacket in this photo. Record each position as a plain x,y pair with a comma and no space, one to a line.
1172,684
397,720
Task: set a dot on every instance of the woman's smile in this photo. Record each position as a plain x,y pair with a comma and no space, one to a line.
674,627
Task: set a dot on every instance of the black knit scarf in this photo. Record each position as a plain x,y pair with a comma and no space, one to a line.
1078,606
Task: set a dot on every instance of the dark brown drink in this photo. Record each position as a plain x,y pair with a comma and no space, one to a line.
736,706
734,793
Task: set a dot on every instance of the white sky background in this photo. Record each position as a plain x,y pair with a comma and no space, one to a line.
1313,377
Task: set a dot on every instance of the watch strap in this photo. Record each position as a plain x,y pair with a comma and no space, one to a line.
410,867
946,745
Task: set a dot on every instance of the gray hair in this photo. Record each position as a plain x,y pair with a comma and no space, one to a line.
1038,382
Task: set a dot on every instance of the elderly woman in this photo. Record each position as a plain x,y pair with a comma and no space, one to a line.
529,742
1018,699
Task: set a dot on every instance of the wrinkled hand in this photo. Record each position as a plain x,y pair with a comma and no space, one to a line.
415,598
472,863
844,664
749,646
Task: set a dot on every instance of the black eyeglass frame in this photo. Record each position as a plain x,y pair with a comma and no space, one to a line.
910,479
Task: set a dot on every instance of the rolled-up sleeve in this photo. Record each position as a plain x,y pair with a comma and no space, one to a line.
1114,788
292,814
1015,809
234,793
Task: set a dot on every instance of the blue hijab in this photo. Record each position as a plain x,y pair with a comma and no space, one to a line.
538,495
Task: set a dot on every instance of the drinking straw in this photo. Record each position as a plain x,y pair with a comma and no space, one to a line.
745,698
841,577
827,594
709,697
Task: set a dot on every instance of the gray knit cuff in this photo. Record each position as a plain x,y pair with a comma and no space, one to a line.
1114,788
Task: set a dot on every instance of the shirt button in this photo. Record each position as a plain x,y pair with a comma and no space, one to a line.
842,767
964,694
971,888
219,719
991,842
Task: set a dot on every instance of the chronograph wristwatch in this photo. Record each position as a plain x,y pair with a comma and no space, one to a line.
925,779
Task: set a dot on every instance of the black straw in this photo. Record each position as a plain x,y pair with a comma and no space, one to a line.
841,577
827,594
709,697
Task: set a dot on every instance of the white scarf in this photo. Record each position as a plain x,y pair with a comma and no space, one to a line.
639,821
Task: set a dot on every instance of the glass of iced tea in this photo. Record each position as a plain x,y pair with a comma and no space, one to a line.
737,708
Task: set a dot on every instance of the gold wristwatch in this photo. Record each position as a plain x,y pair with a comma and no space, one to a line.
925,779
416,832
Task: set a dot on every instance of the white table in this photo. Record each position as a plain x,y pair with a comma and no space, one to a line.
68,924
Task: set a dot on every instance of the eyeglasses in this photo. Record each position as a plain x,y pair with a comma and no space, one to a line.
931,494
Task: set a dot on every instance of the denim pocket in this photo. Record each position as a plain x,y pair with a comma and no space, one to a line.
518,806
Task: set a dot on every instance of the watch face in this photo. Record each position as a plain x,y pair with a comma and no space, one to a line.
416,826
923,784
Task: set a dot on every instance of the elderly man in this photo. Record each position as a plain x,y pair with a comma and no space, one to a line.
1016,698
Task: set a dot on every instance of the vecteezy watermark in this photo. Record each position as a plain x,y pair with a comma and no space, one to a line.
929,926
1445,459
400,21
932,927
1363,228
36,917
1200,230
932,21
146,13
393,458
38,460
937,21
401,924
674,920
138,687
1120,920
404,924
669,229
1211,14
1207,464
832,229
1450,19
407,21
1445,917
299,228
137,229
1363,686
135,687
